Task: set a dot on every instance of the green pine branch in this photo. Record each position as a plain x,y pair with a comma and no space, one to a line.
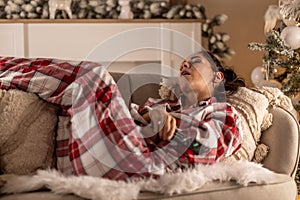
279,55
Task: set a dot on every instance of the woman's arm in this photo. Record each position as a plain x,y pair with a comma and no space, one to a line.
214,130
162,124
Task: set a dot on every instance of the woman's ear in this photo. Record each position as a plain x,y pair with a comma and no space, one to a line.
219,77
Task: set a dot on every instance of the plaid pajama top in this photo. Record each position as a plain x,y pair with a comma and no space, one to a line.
96,134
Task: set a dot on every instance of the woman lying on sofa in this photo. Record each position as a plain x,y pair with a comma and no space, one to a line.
98,136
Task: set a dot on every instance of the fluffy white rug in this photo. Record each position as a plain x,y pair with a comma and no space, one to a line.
243,172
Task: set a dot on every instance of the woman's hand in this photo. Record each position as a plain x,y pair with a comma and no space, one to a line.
169,126
163,123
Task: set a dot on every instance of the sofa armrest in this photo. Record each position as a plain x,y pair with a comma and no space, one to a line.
283,139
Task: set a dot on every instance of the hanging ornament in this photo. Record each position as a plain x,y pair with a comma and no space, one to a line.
258,75
291,36
289,9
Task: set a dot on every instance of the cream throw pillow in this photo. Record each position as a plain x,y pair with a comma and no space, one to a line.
252,108
27,132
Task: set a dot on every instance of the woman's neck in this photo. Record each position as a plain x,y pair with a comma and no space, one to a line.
190,100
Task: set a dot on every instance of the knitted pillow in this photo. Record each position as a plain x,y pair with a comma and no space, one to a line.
27,132
252,108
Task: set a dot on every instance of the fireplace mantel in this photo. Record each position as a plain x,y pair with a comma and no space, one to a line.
121,44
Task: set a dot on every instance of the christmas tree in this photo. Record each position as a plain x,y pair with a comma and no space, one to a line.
281,61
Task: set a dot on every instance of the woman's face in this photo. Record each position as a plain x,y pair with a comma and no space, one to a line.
196,77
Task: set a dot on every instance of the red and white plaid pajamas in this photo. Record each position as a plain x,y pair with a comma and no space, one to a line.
97,135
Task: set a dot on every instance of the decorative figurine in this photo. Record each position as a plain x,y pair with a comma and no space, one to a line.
60,5
125,10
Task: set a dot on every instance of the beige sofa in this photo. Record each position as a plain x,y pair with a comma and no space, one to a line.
282,138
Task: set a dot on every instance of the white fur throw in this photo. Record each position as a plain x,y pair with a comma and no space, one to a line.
243,172
27,131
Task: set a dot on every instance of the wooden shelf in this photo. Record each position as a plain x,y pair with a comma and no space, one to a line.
100,20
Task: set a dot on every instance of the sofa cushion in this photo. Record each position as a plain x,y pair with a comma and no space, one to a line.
137,88
28,127
283,187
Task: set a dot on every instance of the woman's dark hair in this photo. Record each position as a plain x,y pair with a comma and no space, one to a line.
232,81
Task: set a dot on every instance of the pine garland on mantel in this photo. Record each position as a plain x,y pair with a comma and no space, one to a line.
142,9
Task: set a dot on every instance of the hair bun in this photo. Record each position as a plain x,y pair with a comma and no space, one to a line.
232,81
229,75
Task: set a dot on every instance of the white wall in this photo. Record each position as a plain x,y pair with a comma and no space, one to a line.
245,24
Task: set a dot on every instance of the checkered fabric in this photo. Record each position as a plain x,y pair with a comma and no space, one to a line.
213,126
96,134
